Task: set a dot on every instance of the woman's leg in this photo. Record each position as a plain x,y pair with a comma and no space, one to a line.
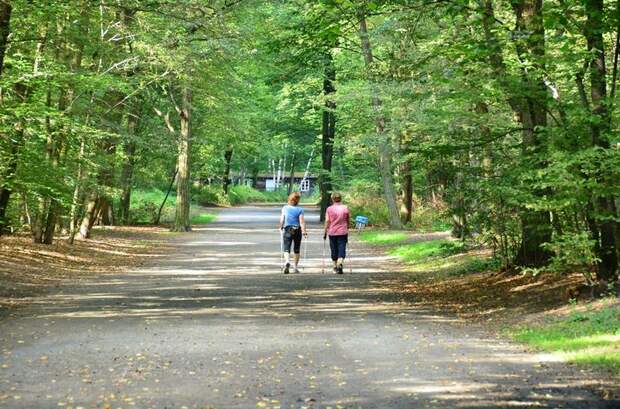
297,246
333,247
287,241
342,246
341,250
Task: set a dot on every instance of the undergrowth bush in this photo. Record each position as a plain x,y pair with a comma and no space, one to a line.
145,205
365,198
428,217
213,195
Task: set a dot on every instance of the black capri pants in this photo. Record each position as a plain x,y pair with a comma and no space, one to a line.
292,235
338,246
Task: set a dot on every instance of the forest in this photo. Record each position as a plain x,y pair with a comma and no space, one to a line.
496,119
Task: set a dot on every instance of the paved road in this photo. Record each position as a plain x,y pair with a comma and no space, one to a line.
214,325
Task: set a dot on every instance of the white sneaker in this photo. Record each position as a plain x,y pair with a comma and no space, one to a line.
296,270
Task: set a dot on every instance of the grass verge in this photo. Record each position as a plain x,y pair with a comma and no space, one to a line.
424,250
590,337
203,218
439,259
383,237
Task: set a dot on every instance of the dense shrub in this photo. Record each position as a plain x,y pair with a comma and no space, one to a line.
210,195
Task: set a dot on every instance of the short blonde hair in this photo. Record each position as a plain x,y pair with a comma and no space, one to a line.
336,197
293,198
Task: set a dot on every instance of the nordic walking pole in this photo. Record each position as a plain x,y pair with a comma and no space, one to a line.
350,261
303,262
349,245
281,248
323,259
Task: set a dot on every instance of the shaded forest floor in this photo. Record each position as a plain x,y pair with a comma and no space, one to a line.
437,272
490,296
28,269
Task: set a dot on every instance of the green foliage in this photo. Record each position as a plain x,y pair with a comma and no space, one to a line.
383,237
428,218
145,205
88,113
440,259
591,337
211,195
363,198
203,218
418,252
572,251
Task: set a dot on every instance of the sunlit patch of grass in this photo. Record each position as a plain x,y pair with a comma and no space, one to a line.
591,337
452,266
417,252
383,237
442,258
203,218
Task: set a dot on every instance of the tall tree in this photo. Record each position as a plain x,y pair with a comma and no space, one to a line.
328,133
182,216
383,140
600,125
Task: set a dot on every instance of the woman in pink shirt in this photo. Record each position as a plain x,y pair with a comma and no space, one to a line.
337,227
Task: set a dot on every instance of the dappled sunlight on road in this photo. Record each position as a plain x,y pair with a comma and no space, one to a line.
216,324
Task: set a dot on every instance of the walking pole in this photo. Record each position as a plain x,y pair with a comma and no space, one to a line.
323,267
305,253
350,261
281,249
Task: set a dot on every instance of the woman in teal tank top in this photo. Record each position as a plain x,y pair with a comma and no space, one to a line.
293,226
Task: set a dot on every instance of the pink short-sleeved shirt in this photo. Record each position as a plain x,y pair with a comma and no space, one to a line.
338,215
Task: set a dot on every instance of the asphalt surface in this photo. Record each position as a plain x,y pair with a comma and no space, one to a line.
215,325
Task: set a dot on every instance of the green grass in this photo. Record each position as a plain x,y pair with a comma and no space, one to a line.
145,204
440,259
417,252
383,237
203,218
591,337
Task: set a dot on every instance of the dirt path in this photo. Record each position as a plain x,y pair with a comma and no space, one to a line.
216,326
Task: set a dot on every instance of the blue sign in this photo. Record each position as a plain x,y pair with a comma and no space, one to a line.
361,222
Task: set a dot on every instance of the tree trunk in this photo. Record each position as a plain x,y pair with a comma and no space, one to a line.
5,189
292,174
529,104
46,205
385,151
89,216
55,208
77,200
5,29
604,204
407,190
254,177
163,203
7,180
536,225
407,179
181,219
127,182
226,177
129,148
328,132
